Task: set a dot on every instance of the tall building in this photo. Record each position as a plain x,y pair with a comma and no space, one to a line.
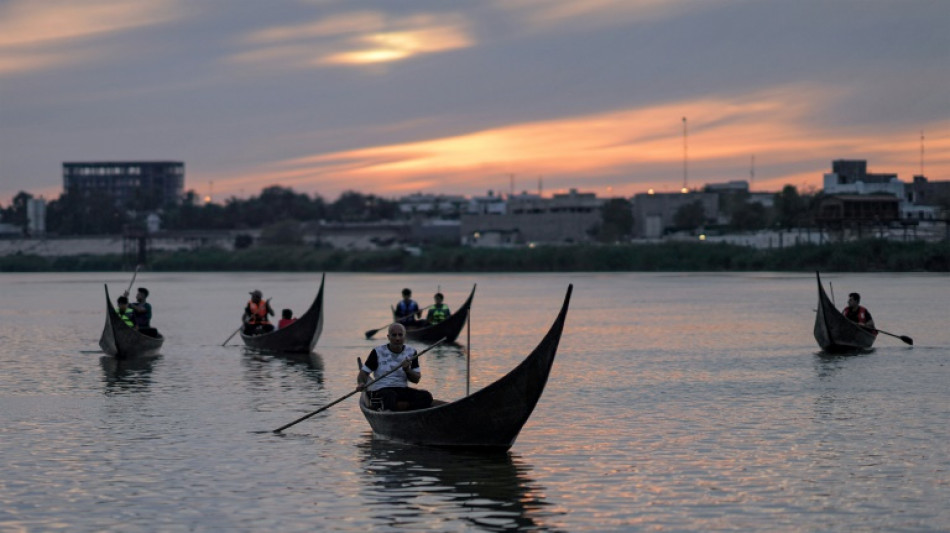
851,176
132,184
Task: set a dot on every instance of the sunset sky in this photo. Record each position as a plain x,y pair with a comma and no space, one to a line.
461,97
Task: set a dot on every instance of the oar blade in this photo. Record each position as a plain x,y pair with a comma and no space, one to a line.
369,333
907,339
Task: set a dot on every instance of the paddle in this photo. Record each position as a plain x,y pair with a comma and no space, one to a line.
340,399
369,333
136,273
904,338
232,335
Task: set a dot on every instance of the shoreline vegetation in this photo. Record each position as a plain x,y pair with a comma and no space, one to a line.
869,255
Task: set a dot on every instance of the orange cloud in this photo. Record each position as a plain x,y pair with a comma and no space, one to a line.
627,150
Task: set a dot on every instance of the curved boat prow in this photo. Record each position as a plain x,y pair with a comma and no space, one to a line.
488,419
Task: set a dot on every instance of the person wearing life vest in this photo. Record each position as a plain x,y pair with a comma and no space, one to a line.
256,313
407,311
439,311
856,313
125,313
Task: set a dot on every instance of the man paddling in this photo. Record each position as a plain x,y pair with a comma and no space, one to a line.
392,391
857,313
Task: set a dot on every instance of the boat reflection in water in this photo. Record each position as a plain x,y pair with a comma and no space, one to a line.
127,375
260,366
413,485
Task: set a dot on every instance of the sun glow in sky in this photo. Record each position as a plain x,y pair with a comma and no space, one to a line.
392,99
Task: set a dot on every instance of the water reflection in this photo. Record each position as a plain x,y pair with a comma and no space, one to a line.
452,349
491,492
262,367
127,375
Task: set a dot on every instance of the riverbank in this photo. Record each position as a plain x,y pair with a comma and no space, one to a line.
859,256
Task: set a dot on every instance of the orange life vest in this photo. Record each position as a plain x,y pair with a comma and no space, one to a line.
258,312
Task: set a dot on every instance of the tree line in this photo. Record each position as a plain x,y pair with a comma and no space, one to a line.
277,208
74,213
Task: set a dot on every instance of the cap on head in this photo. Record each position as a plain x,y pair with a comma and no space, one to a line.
257,293
143,291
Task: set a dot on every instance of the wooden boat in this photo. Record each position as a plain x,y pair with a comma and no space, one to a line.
448,329
299,337
834,332
122,341
487,420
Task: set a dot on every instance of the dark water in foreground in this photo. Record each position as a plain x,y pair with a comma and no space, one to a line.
677,403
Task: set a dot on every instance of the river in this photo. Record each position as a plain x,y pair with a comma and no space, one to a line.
677,402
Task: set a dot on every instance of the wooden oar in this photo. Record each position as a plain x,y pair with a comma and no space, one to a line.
232,335
136,273
370,332
340,399
904,338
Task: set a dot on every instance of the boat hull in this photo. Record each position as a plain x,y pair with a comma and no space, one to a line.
123,342
449,329
489,419
834,332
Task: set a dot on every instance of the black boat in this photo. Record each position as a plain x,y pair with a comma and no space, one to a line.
124,342
489,419
448,329
299,337
834,332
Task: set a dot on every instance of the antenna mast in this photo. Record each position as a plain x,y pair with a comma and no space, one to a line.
921,153
685,158
752,172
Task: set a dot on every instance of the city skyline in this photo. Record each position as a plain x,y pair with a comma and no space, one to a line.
607,96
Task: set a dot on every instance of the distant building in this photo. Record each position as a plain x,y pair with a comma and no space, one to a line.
141,185
852,177
654,213
36,217
529,218
739,186
931,193
433,205
491,204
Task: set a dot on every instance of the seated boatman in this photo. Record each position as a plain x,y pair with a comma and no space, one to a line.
855,312
255,314
142,312
393,390
438,312
407,312
125,313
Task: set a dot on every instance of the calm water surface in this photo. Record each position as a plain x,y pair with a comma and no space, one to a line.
677,403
